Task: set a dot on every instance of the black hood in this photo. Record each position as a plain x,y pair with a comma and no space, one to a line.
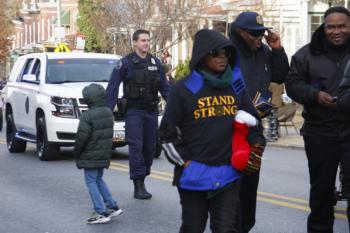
320,45
94,95
318,40
206,40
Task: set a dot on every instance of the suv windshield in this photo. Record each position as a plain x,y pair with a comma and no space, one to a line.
79,70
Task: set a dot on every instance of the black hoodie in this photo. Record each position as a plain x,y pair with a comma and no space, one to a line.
318,66
206,41
197,123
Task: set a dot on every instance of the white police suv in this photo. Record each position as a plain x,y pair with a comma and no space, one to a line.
44,100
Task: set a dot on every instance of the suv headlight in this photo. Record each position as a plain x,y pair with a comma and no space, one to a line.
64,107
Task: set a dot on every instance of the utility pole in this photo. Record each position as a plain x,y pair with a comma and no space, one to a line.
113,31
58,13
58,22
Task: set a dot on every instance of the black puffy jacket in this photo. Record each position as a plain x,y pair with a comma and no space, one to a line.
344,92
93,143
318,67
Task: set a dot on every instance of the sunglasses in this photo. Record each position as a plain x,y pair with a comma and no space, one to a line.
219,52
255,33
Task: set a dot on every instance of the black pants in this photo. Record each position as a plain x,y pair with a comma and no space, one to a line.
223,209
248,193
324,155
141,135
272,130
1,118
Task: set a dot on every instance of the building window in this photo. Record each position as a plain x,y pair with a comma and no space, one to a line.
219,26
315,20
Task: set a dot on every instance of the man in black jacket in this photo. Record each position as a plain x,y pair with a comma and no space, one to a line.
313,80
260,65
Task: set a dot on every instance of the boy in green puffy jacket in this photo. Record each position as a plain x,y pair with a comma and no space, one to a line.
92,151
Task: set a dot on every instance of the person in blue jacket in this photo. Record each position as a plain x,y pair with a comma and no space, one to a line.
196,132
143,77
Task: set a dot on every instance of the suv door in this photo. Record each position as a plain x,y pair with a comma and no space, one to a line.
26,97
18,96
32,95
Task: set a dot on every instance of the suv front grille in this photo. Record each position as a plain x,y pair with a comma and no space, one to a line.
66,136
82,101
80,106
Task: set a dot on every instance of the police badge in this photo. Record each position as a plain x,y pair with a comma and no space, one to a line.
259,19
153,61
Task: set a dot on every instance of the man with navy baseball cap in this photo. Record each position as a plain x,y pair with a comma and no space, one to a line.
250,20
260,64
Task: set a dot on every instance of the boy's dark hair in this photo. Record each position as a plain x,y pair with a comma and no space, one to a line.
136,34
336,9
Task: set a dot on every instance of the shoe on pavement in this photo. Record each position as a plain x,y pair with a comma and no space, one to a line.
99,219
140,191
114,212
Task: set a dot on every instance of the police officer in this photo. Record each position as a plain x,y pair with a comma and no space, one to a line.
142,76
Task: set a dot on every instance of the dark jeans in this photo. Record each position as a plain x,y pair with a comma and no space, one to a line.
223,209
141,135
248,193
324,155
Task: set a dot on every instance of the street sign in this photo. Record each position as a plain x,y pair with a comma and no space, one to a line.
79,41
62,48
59,33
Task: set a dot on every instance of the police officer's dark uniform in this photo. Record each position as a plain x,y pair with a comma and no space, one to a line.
142,79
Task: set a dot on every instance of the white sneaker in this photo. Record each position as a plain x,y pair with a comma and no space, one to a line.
114,212
98,219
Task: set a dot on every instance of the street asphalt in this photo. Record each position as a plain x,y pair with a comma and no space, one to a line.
51,197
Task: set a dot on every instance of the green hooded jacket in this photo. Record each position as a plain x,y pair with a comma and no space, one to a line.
93,143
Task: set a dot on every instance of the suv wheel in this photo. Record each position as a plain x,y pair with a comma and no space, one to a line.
14,145
45,150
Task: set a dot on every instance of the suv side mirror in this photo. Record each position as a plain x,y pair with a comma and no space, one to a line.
29,78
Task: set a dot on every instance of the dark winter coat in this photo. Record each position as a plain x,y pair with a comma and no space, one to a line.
318,67
192,133
93,143
260,67
343,102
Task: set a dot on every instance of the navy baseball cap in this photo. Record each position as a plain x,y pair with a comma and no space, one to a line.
250,20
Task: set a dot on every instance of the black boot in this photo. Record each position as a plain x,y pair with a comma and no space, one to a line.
140,191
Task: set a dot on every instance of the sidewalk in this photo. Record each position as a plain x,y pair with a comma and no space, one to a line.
291,139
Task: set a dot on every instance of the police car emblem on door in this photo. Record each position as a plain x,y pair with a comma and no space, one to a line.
27,105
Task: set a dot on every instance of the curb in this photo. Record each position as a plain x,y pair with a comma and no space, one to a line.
285,146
